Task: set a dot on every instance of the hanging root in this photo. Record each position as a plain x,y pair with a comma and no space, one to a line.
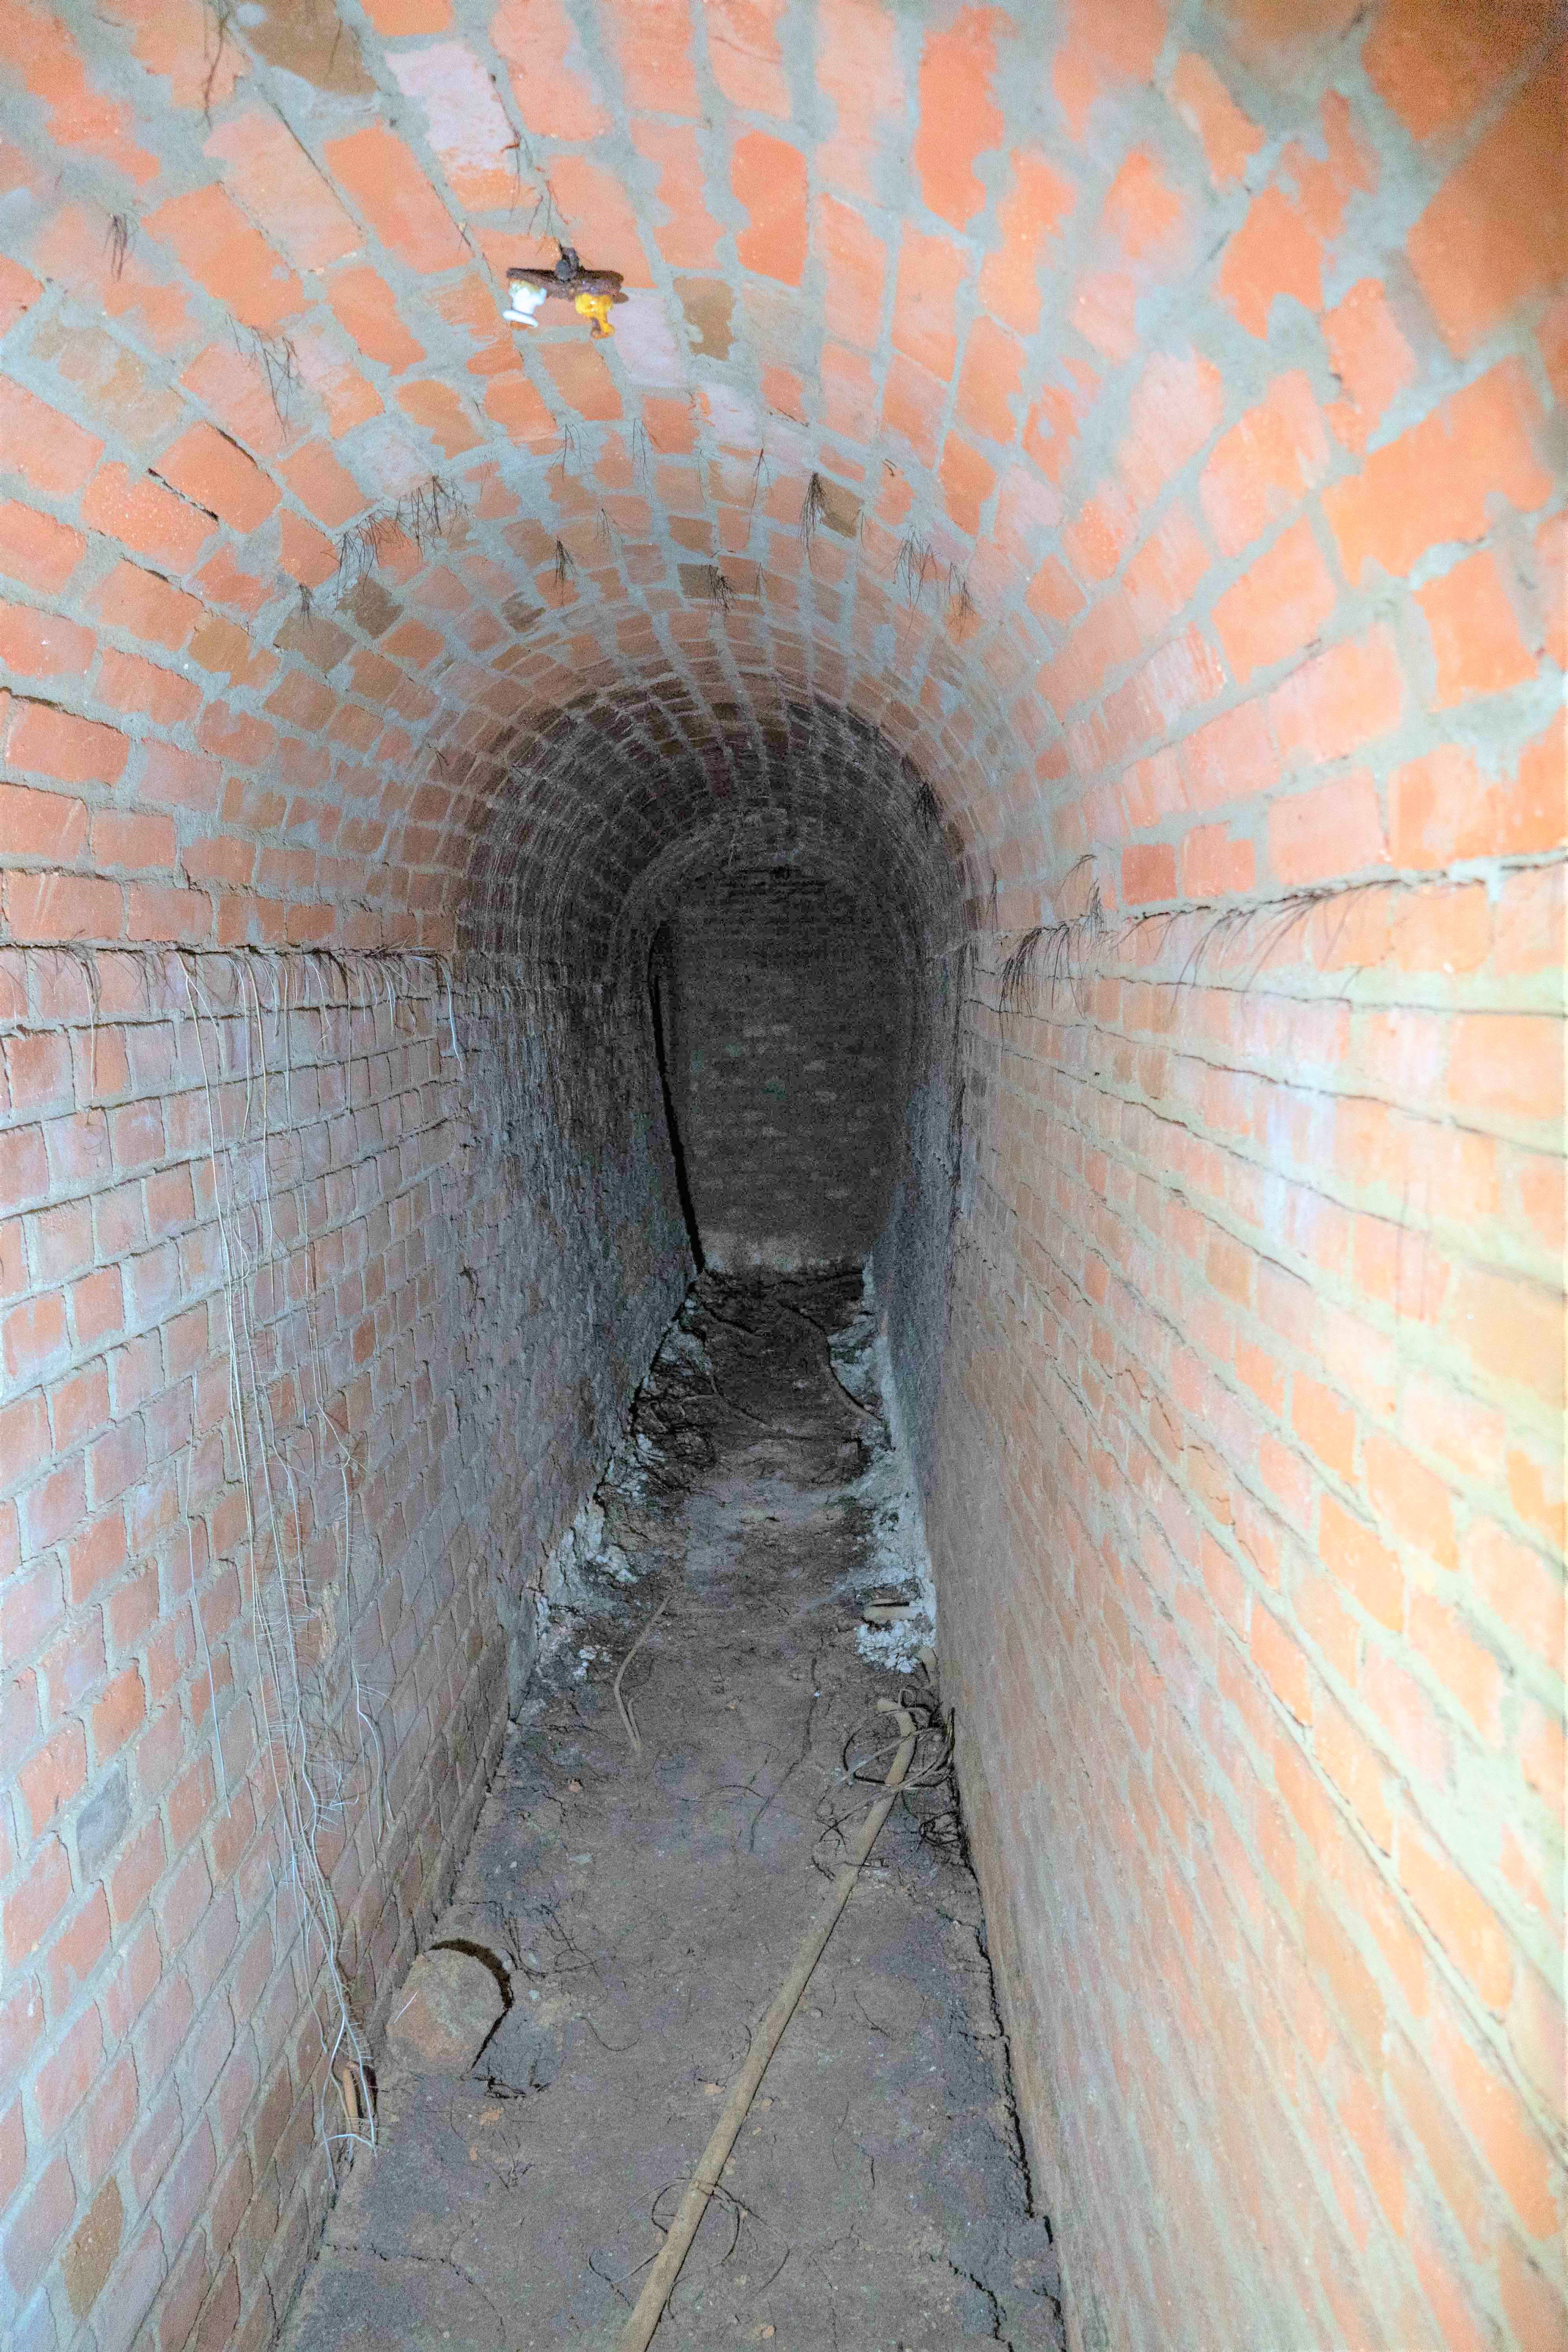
912,568
1054,956
813,508
424,517
628,1718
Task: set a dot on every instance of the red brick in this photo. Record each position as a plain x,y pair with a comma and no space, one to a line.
19,290
1263,467
1167,570
1519,1587
41,824
37,550
55,907
54,1507
13,2152
1028,217
41,2219
52,1777
931,271
117,1713
1229,137
147,518
1283,1663
1487,243
1371,358
1148,872
1442,809
855,261
24,1437
1436,68
323,484
1511,1329
1349,1982
1536,2308
42,645
77,1951
42,741
111,2112
1476,638
1365,1566
1335,829
1437,482
279,184
1355,1769
1340,700
378,173
957,116
66,2077
137,1871
1362,2114
96,1306
967,482
41,447
582,382
205,466
690,237
769,179
1224,760
514,403
37,1902
1465,1668
120,838
1275,252
147,606
33,1337
654,54
1463,1922
1278,606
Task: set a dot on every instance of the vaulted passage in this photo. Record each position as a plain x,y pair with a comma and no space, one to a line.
1000,734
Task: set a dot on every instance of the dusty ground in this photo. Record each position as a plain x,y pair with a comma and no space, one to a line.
642,1909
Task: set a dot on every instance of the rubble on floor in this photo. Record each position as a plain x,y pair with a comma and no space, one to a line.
639,1909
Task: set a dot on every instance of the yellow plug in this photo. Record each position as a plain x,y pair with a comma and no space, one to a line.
597,307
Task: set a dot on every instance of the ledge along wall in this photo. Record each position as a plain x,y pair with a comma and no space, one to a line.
1090,477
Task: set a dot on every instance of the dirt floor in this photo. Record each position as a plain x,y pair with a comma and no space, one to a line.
640,1910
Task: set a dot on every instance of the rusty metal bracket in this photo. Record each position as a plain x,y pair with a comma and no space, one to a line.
591,292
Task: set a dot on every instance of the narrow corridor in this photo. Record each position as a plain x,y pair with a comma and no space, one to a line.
641,1908
652,640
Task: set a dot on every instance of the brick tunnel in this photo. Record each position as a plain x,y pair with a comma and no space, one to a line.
1005,726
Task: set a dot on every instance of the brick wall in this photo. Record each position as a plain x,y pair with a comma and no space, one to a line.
787,1053
305,1374
1107,461
1254,1625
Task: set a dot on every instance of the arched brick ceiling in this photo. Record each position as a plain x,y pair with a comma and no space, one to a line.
611,807
309,547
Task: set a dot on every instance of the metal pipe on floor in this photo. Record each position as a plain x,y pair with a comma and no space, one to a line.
637,2333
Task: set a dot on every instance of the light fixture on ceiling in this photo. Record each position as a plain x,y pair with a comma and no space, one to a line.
590,292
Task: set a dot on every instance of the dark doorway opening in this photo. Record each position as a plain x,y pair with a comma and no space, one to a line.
781,1000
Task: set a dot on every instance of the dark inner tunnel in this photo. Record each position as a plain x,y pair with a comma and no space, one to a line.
782,1031
738,952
